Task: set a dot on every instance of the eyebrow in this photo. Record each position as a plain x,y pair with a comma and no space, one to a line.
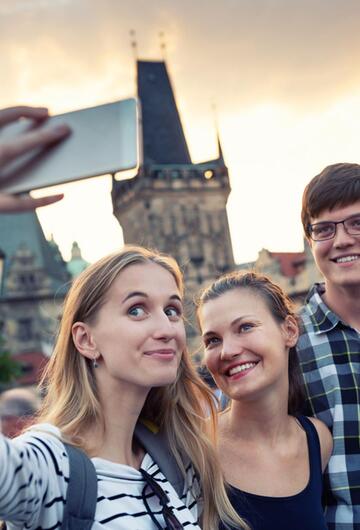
233,323
144,295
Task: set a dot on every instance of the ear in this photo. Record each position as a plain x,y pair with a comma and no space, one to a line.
290,330
83,340
311,242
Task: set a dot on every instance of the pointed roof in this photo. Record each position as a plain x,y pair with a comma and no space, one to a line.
17,230
163,136
220,151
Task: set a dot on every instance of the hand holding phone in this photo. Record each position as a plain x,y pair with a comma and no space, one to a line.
104,139
11,149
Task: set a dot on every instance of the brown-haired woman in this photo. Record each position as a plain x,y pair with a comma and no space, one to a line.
270,455
120,355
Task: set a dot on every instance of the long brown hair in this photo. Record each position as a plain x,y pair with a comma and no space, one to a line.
185,409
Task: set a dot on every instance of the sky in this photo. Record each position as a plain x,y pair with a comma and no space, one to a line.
284,76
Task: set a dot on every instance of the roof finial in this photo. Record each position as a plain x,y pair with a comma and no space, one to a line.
216,122
133,43
162,45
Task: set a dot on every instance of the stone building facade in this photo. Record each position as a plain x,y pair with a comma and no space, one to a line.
35,281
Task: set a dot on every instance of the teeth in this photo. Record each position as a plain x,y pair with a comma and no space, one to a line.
345,259
241,368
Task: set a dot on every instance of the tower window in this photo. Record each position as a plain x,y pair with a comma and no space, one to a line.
25,329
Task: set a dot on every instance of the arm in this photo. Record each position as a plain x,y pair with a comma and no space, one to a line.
11,149
33,479
325,439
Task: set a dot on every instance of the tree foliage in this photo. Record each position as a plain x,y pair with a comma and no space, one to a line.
10,369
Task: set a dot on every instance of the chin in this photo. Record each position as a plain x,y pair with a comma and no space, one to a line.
349,283
164,380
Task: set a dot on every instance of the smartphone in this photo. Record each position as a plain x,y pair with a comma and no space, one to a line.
104,139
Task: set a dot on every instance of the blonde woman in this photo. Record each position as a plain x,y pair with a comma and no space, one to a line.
120,355
272,456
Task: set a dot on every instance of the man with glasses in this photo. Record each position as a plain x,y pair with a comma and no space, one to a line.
329,345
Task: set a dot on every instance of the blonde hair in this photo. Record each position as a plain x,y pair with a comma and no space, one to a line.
184,410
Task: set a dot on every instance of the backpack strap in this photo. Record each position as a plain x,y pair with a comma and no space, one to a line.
158,447
81,497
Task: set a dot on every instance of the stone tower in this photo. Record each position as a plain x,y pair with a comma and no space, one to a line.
172,204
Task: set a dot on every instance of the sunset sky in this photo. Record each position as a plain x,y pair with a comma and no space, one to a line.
284,76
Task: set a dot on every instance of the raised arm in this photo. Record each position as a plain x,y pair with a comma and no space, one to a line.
10,150
34,471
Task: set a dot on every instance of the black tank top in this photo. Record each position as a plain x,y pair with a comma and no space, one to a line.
302,511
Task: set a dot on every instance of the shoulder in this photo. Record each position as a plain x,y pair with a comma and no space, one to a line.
305,318
325,439
311,306
42,433
45,443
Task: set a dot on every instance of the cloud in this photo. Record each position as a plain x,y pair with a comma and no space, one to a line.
236,52
11,7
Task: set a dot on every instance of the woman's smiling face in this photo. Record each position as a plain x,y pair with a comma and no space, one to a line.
246,349
138,334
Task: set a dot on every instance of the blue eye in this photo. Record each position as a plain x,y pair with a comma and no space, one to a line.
245,327
173,312
136,311
210,342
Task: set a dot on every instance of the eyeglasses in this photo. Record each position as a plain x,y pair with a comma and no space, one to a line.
327,229
172,523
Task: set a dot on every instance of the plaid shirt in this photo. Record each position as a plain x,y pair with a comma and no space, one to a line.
329,353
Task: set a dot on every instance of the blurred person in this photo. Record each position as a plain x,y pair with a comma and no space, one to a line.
17,408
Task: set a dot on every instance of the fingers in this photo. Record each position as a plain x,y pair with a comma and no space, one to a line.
23,143
14,113
10,150
13,203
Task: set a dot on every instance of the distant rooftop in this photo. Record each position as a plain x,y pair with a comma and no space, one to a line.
17,230
290,262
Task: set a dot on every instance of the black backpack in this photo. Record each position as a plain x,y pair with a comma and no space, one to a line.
81,496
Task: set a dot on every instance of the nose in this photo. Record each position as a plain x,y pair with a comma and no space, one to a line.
342,238
230,348
163,328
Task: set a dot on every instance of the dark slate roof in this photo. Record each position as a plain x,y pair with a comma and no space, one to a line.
25,228
163,136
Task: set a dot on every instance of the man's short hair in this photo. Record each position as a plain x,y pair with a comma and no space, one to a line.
337,185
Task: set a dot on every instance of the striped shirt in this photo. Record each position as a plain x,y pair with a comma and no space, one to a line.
34,473
329,353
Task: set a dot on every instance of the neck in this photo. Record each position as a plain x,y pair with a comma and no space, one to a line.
345,302
121,408
259,419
